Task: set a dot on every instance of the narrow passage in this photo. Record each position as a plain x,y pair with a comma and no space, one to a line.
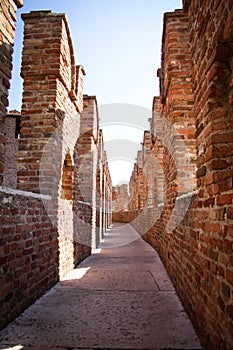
118,298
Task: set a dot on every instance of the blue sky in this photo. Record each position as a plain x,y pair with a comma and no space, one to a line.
117,41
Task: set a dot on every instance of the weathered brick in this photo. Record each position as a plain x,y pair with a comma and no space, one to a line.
209,202
225,199
225,289
196,98
230,213
205,230
38,250
229,276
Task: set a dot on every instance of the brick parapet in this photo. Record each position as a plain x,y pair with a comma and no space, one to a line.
93,184
61,151
106,193
99,188
90,117
179,98
53,57
211,30
120,198
50,99
157,132
196,246
29,251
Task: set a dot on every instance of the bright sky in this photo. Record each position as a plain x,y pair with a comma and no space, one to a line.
119,44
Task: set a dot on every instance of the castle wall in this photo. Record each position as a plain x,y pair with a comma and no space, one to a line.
29,251
193,231
48,201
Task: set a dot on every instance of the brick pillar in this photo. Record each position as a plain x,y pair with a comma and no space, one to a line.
108,197
110,203
11,127
50,124
7,31
105,193
158,149
143,188
98,204
177,98
86,173
104,203
133,190
99,187
150,167
179,144
52,88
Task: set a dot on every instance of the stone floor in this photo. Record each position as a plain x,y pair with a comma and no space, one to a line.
118,298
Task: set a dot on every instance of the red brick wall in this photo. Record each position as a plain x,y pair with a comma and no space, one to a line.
123,216
51,102
29,252
99,188
120,198
45,238
50,123
196,98
121,204
7,31
211,31
106,194
85,173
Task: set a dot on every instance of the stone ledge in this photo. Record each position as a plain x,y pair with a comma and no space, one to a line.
14,192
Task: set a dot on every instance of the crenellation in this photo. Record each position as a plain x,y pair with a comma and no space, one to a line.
49,202
192,231
57,197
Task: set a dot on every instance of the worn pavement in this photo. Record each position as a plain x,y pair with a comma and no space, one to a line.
119,298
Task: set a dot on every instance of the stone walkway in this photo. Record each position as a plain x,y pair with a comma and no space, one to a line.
119,298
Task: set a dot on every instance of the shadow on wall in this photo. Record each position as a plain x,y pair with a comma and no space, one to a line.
12,135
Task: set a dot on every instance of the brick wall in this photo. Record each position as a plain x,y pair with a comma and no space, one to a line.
8,10
99,188
106,195
50,123
192,230
120,203
50,99
211,31
120,198
29,251
123,216
49,221
86,172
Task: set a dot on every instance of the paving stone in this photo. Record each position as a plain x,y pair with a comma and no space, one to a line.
107,303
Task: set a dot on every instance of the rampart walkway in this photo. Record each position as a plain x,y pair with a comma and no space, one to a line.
118,298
